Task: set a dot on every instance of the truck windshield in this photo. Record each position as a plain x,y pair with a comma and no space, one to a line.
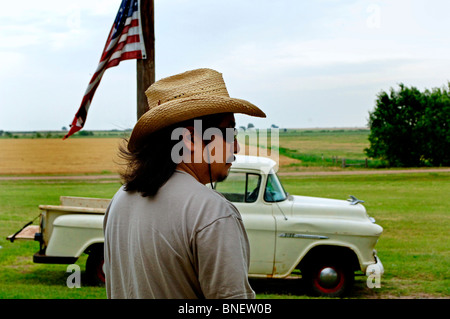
274,190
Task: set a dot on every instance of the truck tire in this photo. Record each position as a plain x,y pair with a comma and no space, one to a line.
94,267
328,278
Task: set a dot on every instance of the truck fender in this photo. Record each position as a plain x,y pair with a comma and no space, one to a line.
330,249
73,234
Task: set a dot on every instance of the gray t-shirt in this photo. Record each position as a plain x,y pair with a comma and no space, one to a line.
186,242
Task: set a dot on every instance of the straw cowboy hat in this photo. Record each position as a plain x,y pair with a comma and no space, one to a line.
186,96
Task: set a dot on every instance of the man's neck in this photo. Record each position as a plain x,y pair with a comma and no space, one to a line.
196,170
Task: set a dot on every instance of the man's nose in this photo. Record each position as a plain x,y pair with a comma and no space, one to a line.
237,147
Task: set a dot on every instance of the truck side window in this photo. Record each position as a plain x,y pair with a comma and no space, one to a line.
252,188
240,187
274,190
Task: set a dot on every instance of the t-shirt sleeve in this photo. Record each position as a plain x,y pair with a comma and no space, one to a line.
223,259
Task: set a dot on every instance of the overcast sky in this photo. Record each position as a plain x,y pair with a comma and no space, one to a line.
305,63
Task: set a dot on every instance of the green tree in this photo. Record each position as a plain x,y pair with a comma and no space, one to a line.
436,127
411,128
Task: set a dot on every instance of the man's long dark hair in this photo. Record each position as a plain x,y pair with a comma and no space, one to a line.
151,165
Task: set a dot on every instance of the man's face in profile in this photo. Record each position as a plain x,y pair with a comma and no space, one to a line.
223,147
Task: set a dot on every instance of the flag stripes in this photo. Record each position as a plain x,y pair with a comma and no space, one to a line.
125,42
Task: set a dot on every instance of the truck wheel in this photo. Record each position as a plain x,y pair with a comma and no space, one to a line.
329,279
94,267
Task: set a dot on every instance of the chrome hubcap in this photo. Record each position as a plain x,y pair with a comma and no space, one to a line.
328,277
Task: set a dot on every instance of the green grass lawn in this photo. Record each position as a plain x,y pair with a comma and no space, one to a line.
413,209
321,148
329,143
19,276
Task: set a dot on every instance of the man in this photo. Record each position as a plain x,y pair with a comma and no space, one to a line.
167,235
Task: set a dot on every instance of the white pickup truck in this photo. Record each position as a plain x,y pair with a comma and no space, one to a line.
326,240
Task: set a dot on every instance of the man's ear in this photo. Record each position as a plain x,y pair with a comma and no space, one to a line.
188,138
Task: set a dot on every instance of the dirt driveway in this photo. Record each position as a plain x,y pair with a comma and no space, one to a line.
311,173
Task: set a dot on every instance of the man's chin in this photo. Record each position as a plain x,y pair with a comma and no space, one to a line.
231,160
224,176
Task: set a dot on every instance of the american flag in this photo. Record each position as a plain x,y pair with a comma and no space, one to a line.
125,42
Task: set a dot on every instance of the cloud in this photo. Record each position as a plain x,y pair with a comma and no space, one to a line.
12,63
50,23
299,60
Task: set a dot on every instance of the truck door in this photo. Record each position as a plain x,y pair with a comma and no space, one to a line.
245,190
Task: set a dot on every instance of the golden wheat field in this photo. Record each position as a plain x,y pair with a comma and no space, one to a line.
55,156
71,156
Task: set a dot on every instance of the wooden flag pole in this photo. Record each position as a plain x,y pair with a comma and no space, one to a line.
145,68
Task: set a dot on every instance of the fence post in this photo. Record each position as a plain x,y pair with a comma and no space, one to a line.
343,163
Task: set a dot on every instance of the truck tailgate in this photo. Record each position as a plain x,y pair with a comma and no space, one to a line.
25,234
